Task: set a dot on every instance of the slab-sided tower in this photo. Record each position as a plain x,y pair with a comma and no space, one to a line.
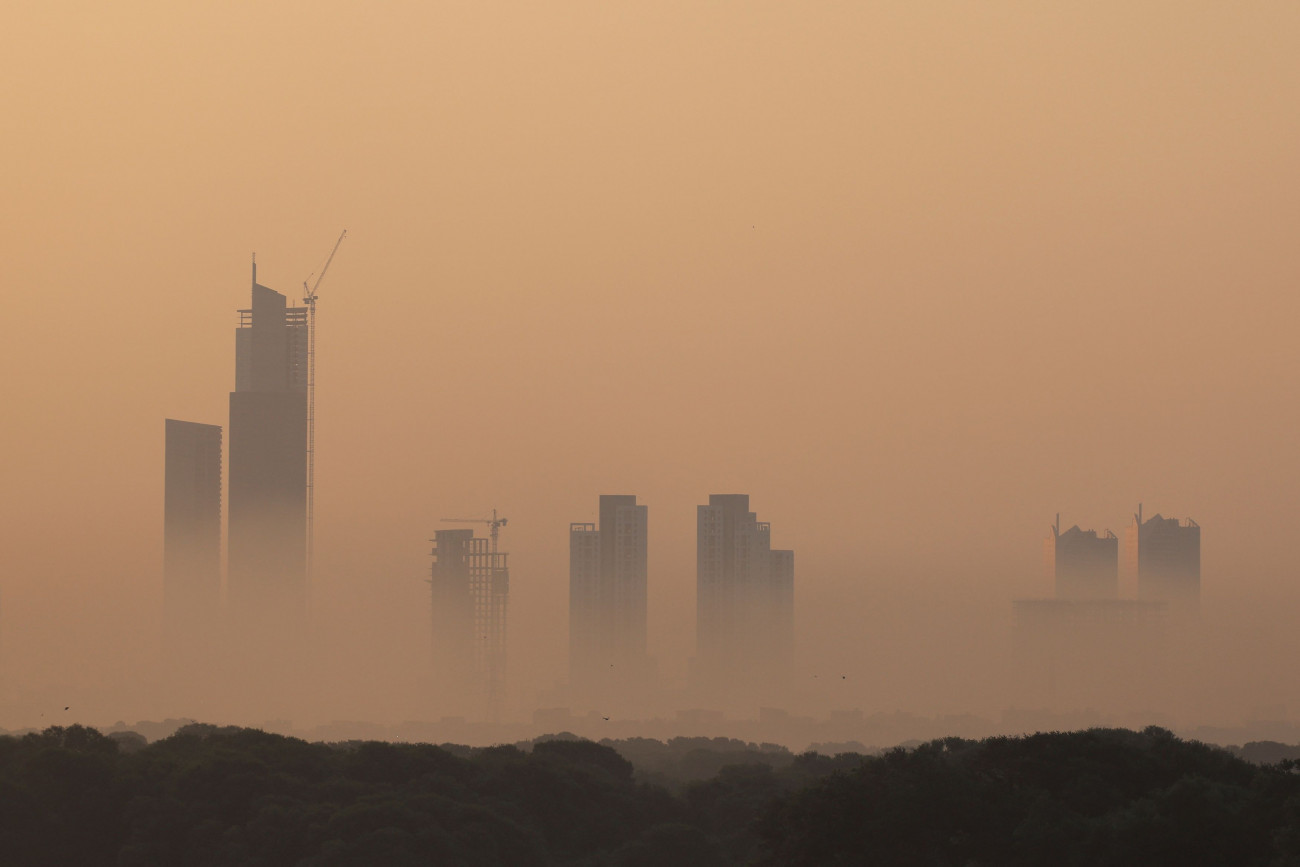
268,462
1165,554
607,598
744,596
1083,564
191,530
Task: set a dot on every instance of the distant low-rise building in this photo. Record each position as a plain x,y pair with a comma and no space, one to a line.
1103,654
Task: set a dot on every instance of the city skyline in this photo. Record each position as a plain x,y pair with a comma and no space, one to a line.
913,278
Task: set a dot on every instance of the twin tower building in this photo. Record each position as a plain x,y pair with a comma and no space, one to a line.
1163,554
744,596
1089,646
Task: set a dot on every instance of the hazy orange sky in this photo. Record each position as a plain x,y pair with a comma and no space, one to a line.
915,276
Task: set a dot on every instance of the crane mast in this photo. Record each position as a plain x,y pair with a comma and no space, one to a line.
309,299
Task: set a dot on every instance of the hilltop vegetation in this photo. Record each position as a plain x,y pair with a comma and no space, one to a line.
209,796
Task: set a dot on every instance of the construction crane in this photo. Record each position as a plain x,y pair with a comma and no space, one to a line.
309,299
493,522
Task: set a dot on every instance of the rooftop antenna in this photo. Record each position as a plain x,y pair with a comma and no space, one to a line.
309,299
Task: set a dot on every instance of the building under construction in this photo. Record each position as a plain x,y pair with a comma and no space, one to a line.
272,459
470,584
268,463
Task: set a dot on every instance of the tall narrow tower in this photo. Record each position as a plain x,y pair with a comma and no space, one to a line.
268,462
1166,555
744,600
191,531
607,598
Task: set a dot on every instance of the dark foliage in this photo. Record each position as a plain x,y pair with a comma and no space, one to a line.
1101,797
227,796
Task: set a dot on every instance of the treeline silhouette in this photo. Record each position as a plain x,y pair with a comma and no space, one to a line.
227,796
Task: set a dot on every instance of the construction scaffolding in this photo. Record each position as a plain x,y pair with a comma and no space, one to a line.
470,583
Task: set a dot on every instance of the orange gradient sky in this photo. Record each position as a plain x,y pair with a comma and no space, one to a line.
915,276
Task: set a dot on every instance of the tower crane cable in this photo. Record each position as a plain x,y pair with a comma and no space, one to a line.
309,299
494,523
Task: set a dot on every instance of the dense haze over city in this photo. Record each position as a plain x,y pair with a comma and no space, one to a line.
915,277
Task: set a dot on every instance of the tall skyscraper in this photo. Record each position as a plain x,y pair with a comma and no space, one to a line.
607,597
191,529
1083,564
268,462
1165,554
744,594
470,588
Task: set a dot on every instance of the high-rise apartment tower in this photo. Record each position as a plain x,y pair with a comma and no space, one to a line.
1165,554
1083,564
607,596
744,594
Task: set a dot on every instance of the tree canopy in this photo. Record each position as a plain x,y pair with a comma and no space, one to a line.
226,796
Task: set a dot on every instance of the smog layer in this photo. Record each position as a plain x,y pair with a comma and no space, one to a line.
915,280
